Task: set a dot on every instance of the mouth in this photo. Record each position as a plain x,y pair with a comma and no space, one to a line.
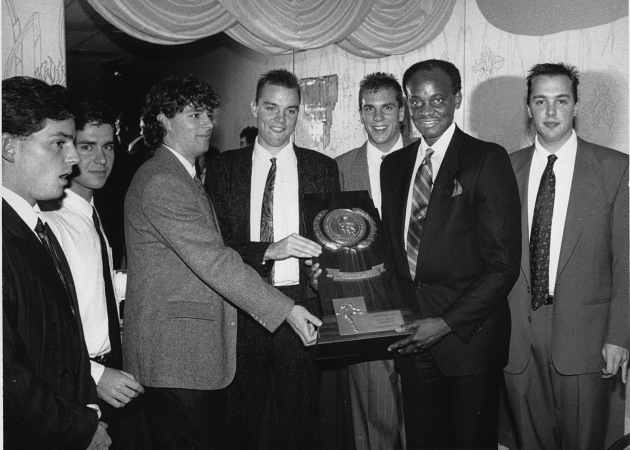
552,124
380,129
277,129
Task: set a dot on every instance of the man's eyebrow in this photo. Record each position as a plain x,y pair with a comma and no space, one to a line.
553,96
59,134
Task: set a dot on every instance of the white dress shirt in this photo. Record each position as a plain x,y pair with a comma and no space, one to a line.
374,160
286,207
29,214
563,170
73,225
439,148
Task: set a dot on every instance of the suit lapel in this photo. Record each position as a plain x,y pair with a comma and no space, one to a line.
584,189
361,171
40,258
400,193
522,168
440,197
242,190
303,178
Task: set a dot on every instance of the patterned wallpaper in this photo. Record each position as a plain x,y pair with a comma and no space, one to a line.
493,64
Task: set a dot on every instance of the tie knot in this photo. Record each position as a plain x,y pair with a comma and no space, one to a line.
39,228
428,155
273,161
551,159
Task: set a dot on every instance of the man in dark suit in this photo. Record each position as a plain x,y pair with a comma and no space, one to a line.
450,215
375,386
49,396
183,282
570,304
268,180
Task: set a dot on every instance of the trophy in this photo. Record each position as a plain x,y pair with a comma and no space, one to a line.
357,288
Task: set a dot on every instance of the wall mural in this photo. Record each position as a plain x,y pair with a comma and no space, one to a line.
33,40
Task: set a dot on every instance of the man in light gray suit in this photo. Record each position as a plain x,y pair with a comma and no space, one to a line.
374,385
569,306
183,282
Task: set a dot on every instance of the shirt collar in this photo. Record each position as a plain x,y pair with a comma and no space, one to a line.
29,214
441,145
190,168
565,154
74,201
374,153
283,155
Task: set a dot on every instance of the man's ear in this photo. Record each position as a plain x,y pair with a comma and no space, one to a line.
8,147
166,123
254,107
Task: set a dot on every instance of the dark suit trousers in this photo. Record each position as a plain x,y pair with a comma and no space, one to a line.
123,424
552,410
279,362
184,419
448,412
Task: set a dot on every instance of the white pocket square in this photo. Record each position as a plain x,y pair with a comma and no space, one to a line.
458,189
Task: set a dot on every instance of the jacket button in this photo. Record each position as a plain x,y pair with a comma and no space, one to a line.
421,285
64,373
232,324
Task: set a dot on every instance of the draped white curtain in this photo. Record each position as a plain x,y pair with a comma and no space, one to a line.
367,28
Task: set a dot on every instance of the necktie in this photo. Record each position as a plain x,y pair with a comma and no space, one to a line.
422,186
539,242
110,299
46,236
266,212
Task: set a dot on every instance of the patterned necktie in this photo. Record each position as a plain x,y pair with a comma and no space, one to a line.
540,240
46,236
422,186
266,213
110,299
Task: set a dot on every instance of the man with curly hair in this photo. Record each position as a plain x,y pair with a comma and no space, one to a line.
183,282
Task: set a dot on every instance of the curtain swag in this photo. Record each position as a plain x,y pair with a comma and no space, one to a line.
361,27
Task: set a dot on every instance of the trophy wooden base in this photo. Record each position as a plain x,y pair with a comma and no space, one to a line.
332,345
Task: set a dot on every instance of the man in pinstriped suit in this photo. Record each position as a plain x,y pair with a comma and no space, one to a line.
374,385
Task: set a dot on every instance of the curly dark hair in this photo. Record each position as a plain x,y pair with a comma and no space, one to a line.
278,77
554,70
95,113
27,103
378,81
432,64
171,96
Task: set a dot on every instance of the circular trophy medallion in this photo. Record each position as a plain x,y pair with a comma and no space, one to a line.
344,228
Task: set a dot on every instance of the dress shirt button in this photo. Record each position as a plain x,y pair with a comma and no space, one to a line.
64,373
232,323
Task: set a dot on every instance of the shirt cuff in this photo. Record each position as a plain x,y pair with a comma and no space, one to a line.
96,408
120,284
96,370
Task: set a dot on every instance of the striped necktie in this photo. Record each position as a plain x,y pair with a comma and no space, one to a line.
422,186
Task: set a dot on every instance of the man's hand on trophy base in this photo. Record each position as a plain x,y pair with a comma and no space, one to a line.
426,333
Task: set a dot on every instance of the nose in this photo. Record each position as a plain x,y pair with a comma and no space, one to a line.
72,156
551,110
280,118
100,157
425,109
378,114
207,122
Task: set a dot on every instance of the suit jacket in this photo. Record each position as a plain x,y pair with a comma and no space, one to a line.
46,382
590,305
354,173
469,252
184,283
228,179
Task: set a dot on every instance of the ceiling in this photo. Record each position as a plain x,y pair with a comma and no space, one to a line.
91,41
